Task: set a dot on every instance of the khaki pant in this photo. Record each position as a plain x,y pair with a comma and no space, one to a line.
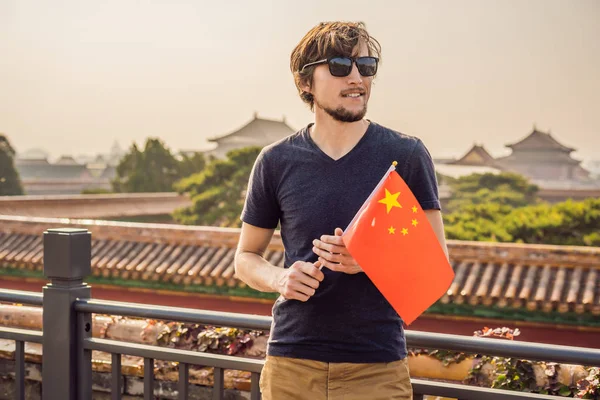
285,378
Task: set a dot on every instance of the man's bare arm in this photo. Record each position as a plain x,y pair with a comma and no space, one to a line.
299,282
250,265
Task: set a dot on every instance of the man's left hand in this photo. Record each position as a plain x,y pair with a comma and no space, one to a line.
333,254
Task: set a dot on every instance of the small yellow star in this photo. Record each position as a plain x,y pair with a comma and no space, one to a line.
415,222
392,230
414,209
404,231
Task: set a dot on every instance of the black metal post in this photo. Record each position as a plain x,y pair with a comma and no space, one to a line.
67,261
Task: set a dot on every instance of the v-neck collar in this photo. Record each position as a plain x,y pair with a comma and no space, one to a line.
353,150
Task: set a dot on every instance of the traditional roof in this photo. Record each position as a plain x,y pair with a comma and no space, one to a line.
476,156
258,131
538,140
66,160
498,275
536,159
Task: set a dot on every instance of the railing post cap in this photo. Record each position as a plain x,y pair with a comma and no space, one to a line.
67,253
66,231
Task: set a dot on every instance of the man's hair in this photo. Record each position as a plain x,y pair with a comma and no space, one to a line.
328,39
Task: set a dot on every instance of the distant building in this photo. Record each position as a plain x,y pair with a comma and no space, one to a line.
539,157
65,176
477,156
476,161
258,132
542,158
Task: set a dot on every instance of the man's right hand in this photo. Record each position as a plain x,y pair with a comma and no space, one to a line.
300,281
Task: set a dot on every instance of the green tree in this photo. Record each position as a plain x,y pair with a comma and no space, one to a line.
191,164
155,169
478,222
567,223
10,183
218,192
505,188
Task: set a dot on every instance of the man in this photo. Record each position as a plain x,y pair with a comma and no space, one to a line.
334,336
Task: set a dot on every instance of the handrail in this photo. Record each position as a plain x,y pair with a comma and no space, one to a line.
25,335
207,317
504,348
415,339
20,296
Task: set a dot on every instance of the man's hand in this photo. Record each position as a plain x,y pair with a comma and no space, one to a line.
300,281
333,254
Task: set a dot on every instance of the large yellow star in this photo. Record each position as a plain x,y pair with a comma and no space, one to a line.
391,200
392,230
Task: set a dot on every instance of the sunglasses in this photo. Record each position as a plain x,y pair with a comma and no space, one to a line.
342,66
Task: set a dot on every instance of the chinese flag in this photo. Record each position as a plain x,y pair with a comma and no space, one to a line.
393,242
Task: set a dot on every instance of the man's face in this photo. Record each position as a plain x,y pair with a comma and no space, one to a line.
343,98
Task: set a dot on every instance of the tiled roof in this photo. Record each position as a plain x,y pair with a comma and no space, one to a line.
258,130
477,155
538,140
504,275
165,262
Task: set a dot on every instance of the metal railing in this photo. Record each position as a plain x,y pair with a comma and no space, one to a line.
67,357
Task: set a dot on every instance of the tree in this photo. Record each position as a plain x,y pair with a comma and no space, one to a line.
567,223
505,208
155,169
191,164
10,183
505,188
477,222
218,192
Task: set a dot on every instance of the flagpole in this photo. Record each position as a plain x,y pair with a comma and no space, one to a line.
390,169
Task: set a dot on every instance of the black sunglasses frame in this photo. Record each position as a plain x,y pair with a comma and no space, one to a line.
353,60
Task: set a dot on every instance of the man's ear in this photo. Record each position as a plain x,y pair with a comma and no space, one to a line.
305,86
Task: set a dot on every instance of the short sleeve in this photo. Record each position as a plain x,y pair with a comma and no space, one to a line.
419,175
261,207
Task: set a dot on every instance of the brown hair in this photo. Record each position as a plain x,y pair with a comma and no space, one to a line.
328,39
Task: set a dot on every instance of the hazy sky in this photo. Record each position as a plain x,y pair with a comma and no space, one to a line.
77,75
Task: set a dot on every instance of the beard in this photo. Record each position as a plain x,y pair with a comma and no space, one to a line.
342,114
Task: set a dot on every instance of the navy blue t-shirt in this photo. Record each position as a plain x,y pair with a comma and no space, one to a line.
293,182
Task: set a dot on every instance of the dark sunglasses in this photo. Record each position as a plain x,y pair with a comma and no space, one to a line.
342,66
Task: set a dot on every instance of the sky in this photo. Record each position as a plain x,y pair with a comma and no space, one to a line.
76,76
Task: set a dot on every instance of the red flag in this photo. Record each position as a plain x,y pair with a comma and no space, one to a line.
393,242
